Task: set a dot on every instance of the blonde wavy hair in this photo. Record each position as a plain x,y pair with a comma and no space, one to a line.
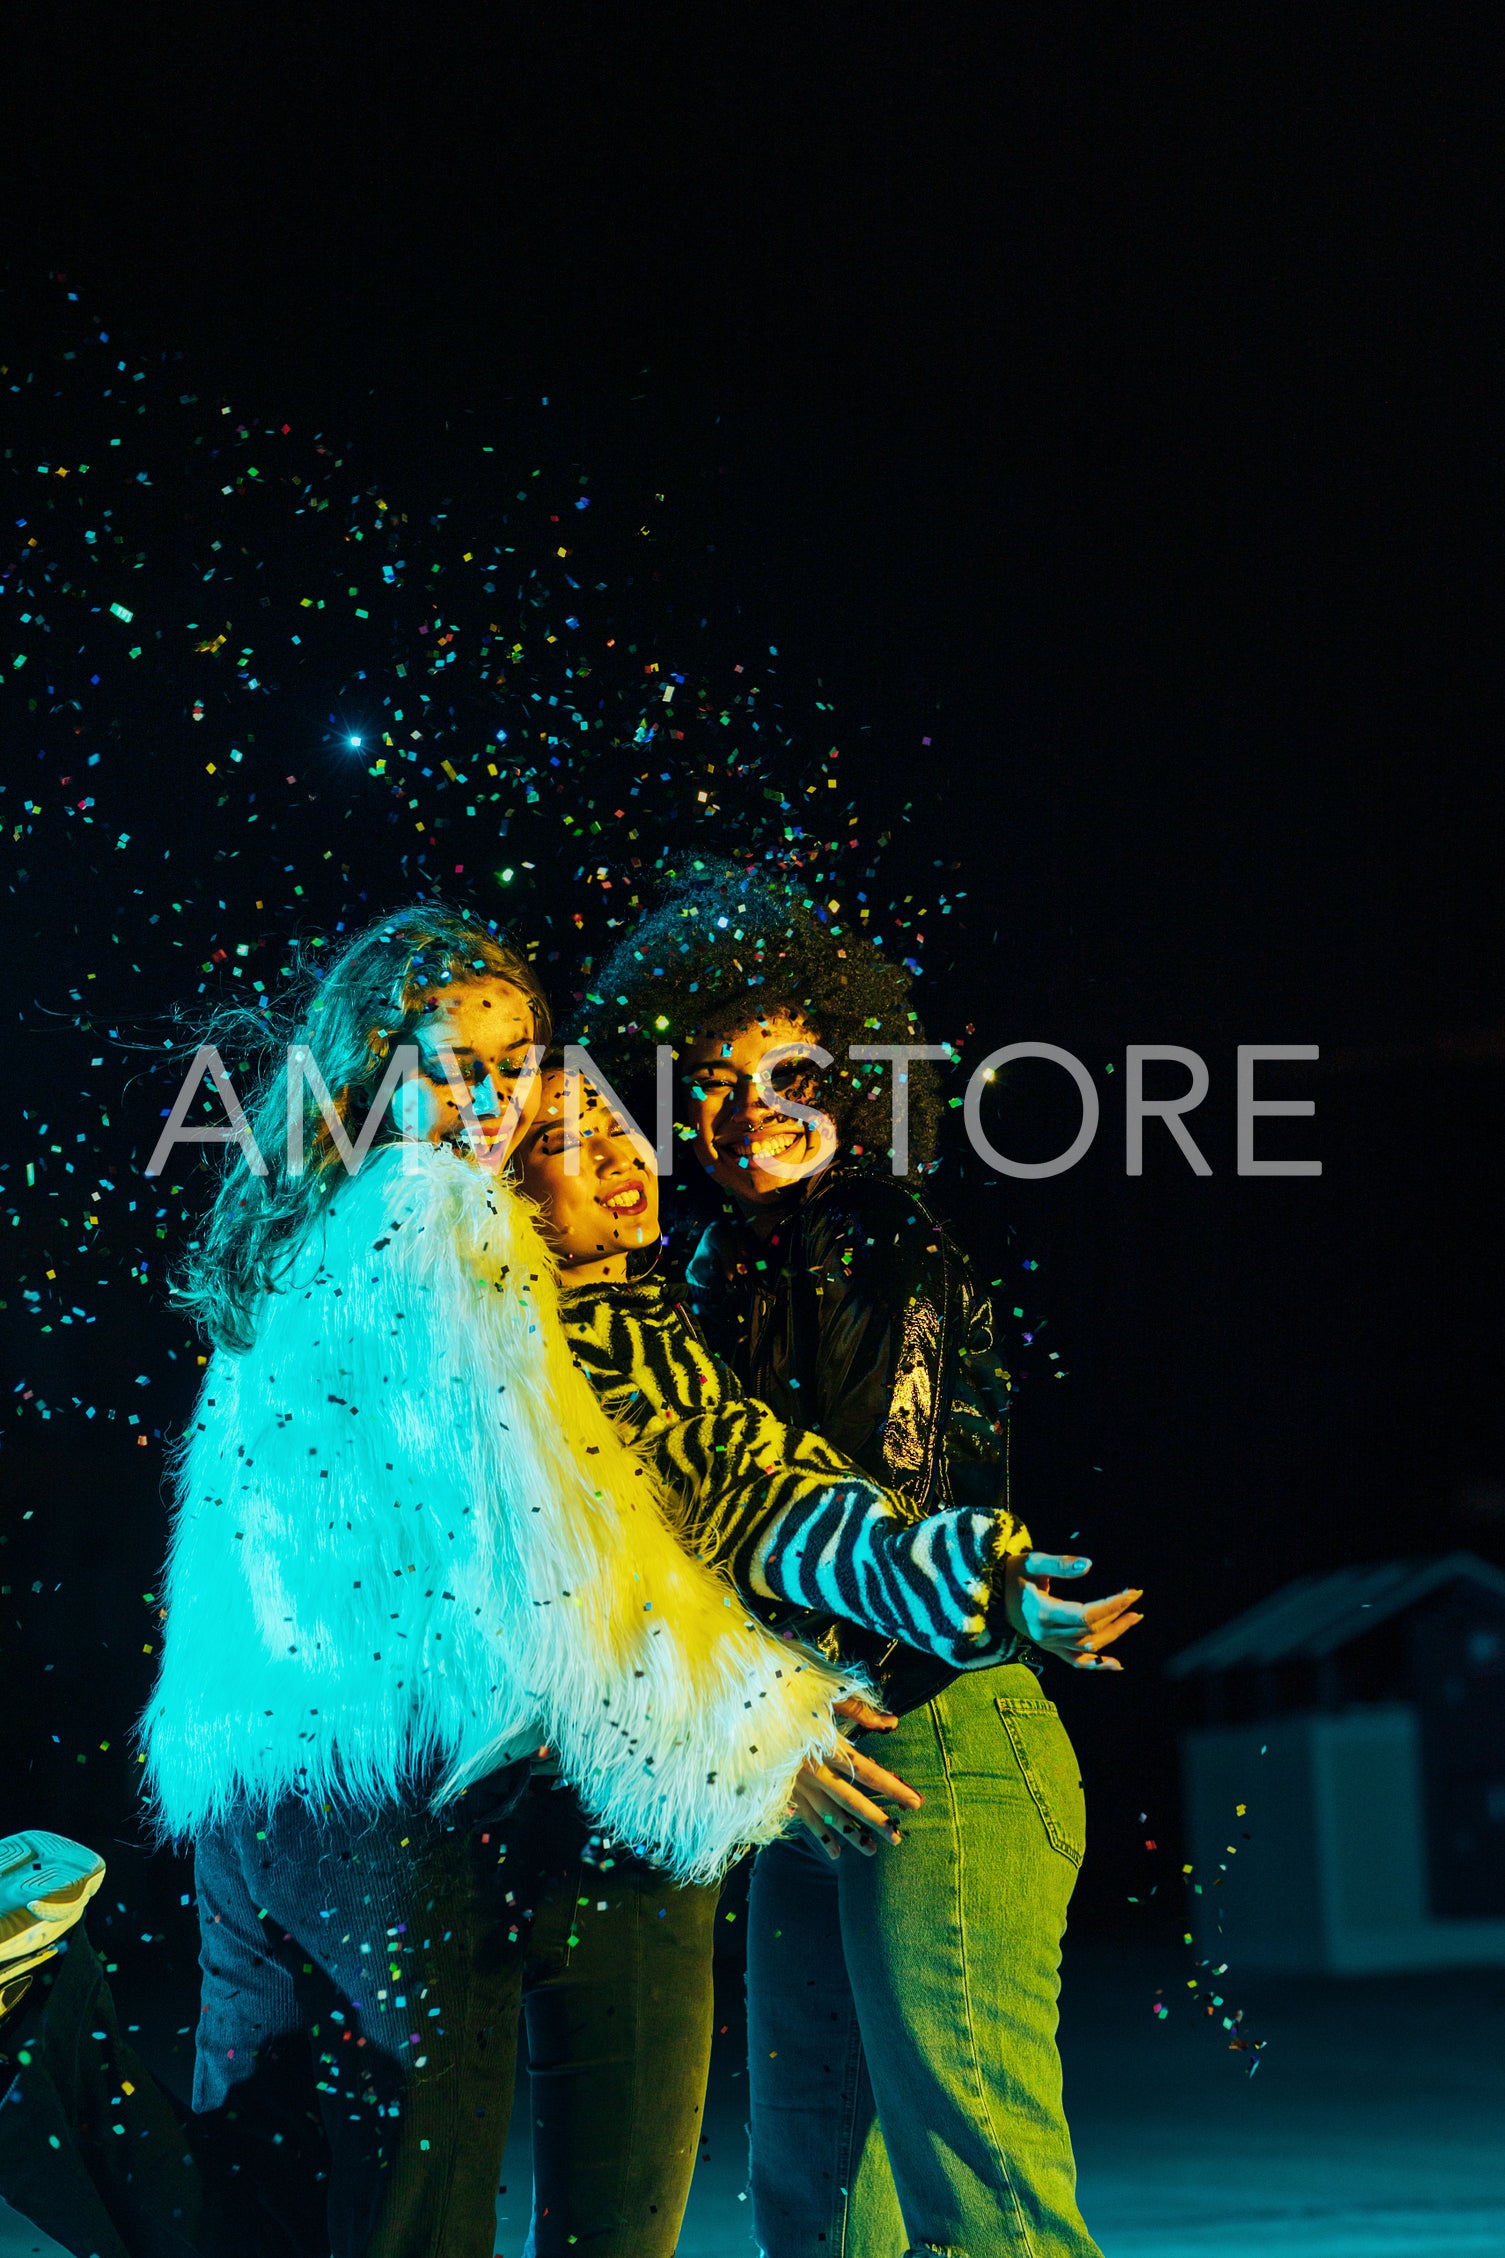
350,1013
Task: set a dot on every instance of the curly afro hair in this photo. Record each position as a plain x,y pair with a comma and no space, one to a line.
728,940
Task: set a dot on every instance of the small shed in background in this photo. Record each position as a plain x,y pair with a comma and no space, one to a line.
1360,1719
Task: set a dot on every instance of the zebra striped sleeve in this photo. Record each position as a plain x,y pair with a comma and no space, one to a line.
786,1516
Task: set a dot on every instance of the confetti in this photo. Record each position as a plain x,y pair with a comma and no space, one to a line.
343,695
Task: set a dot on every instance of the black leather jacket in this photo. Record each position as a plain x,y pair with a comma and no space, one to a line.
858,1316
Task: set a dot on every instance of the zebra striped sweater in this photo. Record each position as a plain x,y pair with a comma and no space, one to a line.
786,1516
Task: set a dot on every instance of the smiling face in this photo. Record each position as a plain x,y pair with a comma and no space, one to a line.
596,1185
486,1026
752,1151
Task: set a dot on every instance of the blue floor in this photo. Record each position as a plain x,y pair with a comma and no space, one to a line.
1375,2123
1374,2128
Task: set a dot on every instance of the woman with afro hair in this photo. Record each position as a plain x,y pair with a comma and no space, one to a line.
905,2084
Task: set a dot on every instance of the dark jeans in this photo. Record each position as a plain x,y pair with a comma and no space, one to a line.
373,1940
384,1965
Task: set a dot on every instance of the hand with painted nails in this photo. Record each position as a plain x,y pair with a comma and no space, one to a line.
864,1716
829,1800
1076,1631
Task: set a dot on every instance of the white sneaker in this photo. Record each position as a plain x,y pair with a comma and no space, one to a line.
45,1883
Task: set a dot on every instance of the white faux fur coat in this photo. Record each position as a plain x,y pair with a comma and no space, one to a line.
406,1535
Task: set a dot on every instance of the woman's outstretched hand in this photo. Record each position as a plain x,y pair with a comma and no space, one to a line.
829,1798
1076,1631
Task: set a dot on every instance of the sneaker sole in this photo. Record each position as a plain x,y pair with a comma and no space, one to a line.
45,1882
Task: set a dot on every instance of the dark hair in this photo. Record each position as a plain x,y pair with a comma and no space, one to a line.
729,941
350,1013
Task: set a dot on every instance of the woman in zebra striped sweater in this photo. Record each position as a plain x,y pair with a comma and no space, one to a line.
801,1533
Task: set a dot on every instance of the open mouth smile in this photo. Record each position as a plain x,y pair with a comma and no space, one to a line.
774,1144
629,1200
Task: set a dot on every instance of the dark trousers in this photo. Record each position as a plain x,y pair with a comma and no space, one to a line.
91,2147
362,1988
615,1982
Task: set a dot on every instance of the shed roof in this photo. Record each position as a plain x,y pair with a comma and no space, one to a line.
1318,1614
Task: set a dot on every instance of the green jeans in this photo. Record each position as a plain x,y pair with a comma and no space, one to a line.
905,2085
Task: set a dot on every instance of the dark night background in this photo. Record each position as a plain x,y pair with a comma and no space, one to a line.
1099,409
